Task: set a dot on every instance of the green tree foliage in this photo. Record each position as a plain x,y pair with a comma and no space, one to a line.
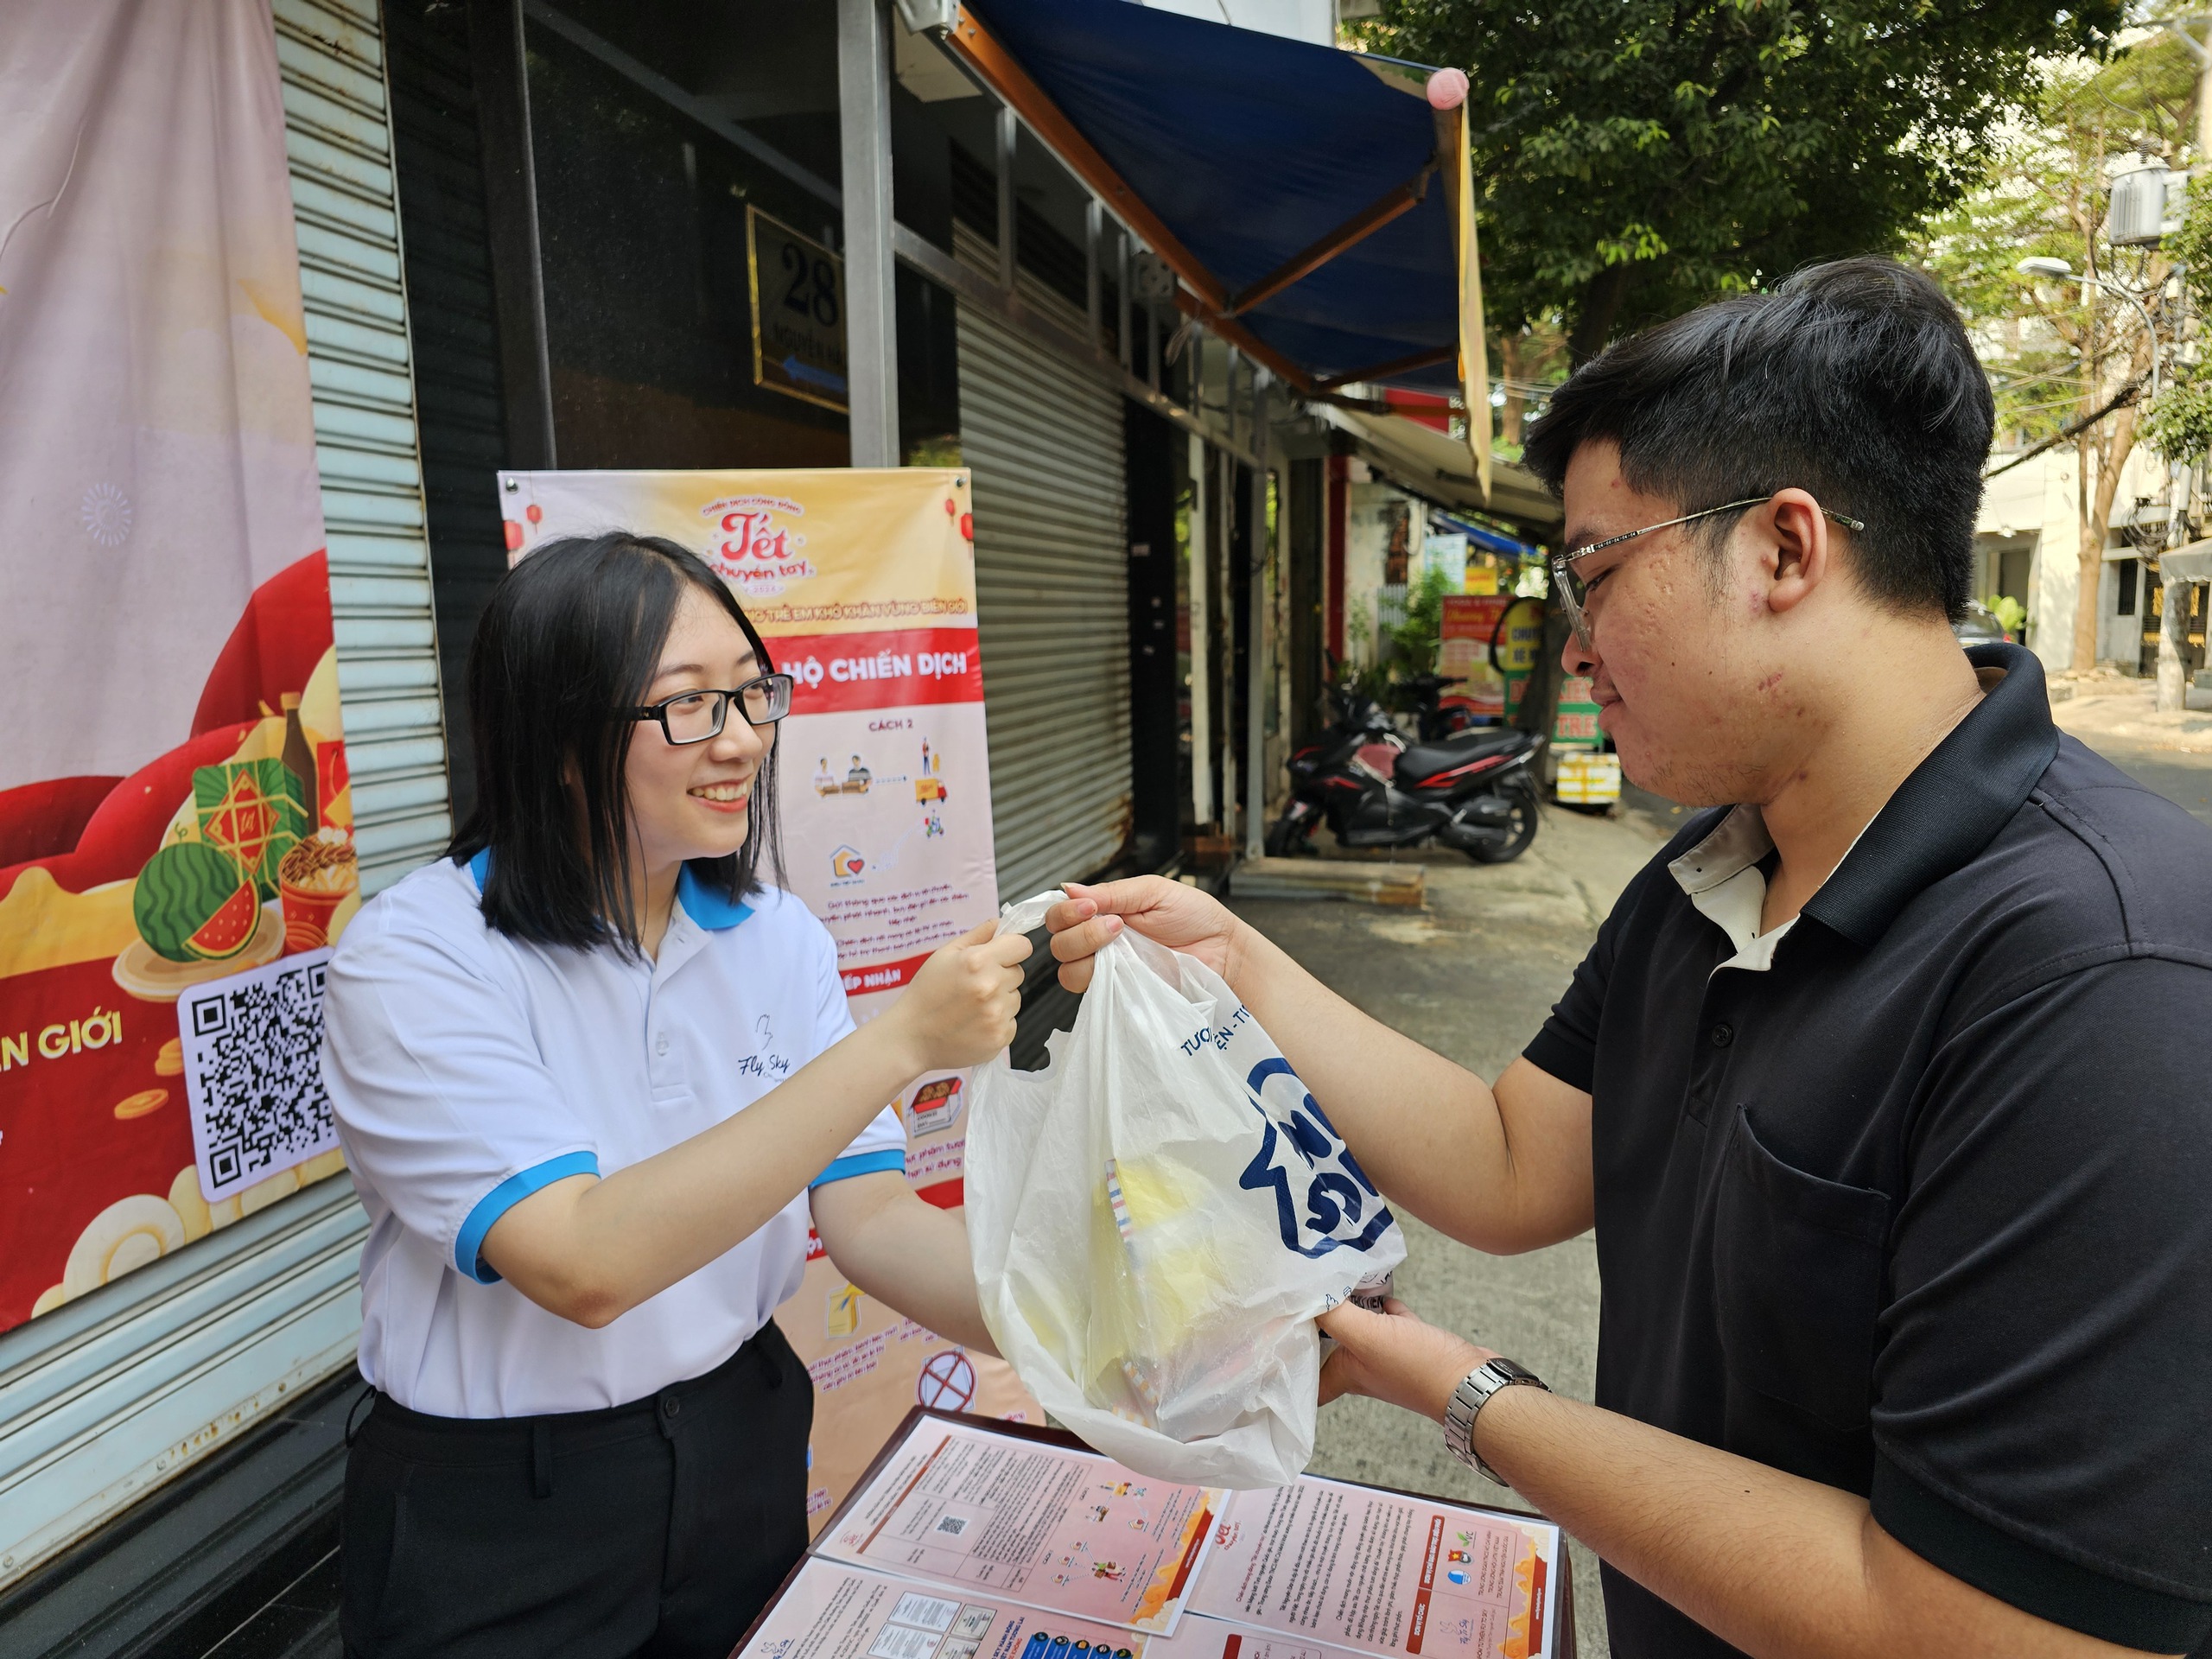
2179,425
2055,353
2065,359
1637,158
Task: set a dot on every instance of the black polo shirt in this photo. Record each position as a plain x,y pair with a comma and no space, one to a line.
1922,1207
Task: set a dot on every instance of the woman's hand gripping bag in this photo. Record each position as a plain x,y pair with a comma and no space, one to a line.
1157,1217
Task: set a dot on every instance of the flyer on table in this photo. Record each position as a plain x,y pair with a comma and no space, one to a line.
862,585
1383,1574
1068,1531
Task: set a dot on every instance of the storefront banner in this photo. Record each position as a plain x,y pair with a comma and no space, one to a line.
863,584
175,810
1470,622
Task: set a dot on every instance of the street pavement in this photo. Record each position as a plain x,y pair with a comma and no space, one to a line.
2170,752
1473,976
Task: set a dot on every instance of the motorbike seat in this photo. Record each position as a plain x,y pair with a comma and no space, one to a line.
1425,760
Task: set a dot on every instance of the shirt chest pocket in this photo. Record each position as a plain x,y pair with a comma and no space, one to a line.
1797,1281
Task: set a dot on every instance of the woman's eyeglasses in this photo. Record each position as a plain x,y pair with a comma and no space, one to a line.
695,716
1574,593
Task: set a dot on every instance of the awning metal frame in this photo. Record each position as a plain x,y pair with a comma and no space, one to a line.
1201,295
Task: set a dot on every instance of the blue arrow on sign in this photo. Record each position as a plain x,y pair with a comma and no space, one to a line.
806,374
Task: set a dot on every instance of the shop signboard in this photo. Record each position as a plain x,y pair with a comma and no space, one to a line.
799,312
1470,623
175,817
863,584
1575,721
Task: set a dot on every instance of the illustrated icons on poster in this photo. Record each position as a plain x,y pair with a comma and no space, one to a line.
857,778
846,864
937,1104
843,1317
947,1382
855,781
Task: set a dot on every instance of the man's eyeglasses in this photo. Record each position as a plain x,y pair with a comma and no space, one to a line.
1574,593
695,716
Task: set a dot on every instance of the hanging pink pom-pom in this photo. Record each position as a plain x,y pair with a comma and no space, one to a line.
1447,89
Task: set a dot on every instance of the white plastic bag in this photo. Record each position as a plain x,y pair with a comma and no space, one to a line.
1157,1218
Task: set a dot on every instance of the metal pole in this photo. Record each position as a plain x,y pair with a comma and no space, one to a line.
1093,289
1201,690
871,314
1121,339
2176,596
1009,134
1259,632
1226,597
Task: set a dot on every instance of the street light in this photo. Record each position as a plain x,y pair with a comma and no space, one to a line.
2059,271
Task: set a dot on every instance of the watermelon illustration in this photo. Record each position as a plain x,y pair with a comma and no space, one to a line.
194,904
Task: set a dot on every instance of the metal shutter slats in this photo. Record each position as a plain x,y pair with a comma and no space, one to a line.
1042,437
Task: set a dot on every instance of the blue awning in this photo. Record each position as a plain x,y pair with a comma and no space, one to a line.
1251,148
1492,540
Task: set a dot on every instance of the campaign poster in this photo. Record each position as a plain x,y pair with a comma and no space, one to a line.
175,817
862,585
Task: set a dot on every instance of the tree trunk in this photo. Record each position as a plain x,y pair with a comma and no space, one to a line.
1594,322
1509,369
2094,529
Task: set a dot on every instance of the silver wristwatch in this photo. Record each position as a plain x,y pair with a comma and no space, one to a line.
1470,1397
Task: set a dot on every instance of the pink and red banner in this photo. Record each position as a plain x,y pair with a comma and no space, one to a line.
175,813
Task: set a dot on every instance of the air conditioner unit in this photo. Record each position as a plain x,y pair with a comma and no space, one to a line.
2136,216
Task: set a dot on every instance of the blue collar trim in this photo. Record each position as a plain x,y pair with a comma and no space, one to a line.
712,911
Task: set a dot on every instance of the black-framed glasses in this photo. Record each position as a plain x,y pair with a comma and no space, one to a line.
695,716
1574,593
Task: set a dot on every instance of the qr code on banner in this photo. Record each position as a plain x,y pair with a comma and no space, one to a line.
253,1073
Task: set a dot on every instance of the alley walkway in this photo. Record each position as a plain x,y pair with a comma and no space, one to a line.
2170,752
1472,976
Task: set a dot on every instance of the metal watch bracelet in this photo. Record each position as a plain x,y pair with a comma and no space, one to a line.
1467,1399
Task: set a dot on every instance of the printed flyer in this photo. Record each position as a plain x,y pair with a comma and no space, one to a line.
1068,1531
833,1611
973,1542
863,584
175,815
1381,1573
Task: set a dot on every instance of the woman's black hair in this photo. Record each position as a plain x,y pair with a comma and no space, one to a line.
573,636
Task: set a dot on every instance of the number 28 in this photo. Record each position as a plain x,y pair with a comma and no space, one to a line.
813,288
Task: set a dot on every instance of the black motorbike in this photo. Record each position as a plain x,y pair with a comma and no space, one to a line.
1472,790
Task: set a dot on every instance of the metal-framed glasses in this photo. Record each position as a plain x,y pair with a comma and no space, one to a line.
1574,593
695,716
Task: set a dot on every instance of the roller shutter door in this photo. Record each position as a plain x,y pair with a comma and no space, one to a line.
1043,436
106,1398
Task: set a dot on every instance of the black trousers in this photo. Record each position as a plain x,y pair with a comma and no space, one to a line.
657,1529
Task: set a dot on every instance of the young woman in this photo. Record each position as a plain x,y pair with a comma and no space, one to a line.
592,1075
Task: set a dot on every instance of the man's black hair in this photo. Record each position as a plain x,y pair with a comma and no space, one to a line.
573,637
1853,380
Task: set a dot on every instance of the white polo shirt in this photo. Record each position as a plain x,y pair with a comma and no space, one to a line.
469,1070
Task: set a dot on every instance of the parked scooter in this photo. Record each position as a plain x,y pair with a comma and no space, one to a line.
1473,791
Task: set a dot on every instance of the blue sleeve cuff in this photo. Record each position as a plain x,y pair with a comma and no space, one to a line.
469,1247
859,1163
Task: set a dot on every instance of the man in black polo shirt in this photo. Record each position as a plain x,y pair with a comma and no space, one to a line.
1886,1083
